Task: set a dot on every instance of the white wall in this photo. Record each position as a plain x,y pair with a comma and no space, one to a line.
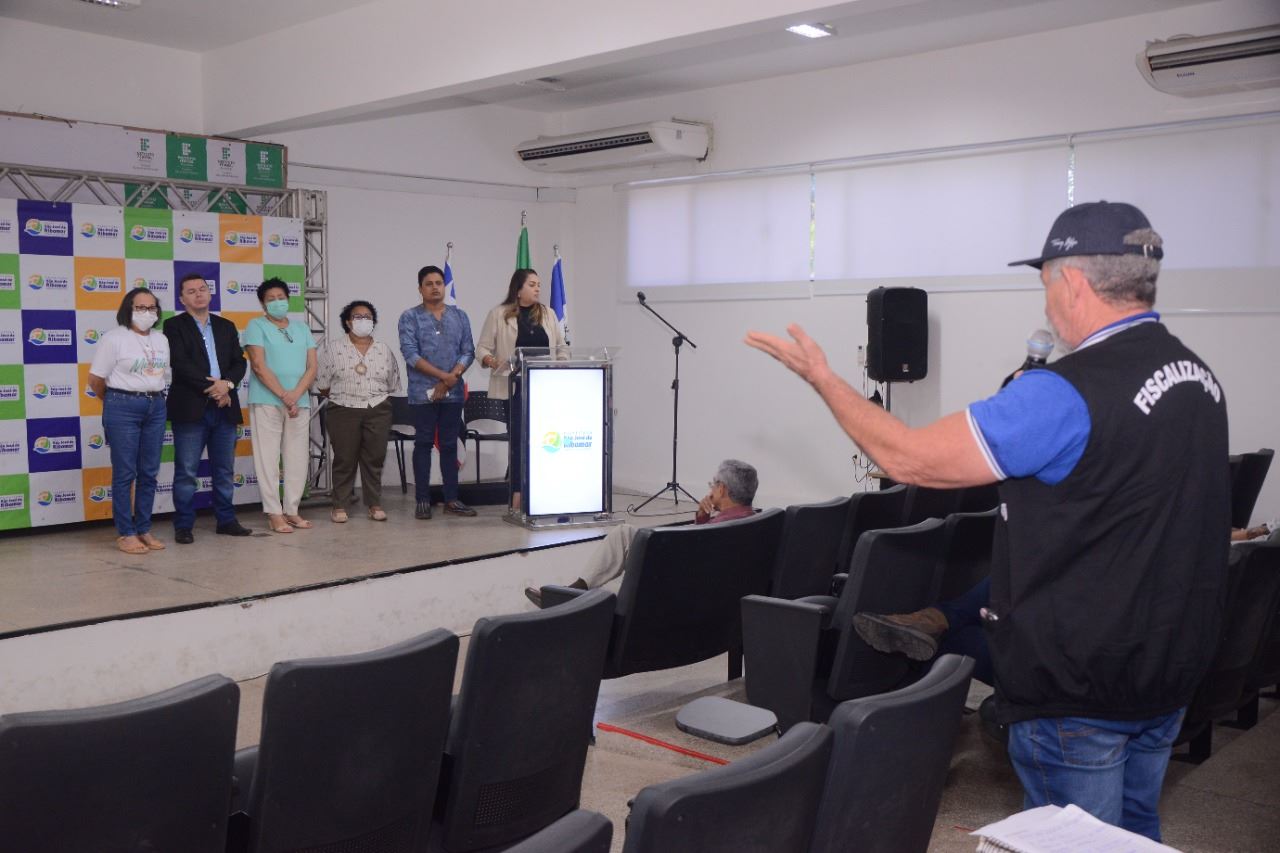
736,402
69,74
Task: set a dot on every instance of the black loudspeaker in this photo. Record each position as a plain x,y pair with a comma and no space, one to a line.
897,334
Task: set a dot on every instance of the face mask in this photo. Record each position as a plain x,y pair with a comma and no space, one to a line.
362,327
144,320
279,308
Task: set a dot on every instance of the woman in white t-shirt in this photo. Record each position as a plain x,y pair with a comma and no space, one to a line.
128,375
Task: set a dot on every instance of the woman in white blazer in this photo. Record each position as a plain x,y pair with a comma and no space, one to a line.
520,321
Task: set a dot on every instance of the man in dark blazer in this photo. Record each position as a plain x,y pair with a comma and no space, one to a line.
204,407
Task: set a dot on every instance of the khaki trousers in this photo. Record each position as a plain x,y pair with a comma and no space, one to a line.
280,445
607,561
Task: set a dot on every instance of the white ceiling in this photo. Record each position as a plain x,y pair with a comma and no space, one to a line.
197,25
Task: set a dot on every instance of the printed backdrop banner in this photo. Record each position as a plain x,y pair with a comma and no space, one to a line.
63,270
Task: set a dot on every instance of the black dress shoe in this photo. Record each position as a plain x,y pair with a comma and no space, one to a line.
423,510
182,536
456,507
534,595
235,528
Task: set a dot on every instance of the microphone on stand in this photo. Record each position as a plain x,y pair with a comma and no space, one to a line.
640,295
1039,348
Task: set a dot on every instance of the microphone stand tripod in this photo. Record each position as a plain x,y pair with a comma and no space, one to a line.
674,486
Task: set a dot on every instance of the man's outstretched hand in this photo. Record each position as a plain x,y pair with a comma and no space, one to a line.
801,355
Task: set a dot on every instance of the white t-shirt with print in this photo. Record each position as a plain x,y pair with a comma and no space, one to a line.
132,362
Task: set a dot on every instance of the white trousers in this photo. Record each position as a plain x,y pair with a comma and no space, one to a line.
280,443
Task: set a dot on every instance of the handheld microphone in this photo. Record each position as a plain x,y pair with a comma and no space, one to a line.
640,295
1039,348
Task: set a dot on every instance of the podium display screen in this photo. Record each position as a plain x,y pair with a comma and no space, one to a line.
565,440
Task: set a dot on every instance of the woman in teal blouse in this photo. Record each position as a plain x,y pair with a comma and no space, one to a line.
282,355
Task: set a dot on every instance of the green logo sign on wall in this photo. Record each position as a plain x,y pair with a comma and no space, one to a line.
264,166
186,158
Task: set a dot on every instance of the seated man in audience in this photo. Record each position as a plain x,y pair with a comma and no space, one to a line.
955,626
732,490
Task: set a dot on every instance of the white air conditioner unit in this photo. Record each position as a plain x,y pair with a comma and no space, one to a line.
1212,65
618,147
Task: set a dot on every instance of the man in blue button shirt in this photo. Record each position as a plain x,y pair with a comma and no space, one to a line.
1110,550
435,340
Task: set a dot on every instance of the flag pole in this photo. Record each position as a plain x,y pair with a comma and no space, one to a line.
448,252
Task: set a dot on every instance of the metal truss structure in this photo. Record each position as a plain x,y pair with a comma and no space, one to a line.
311,206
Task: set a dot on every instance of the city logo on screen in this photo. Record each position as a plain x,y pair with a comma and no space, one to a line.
100,284
56,444
88,392
10,448
8,336
149,234
6,226
96,441
243,432
50,337
168,437
99,494
46,228
35,281
92,336
232,286
295,289
87,229
10,393
13,503
41,391
8,282
553,442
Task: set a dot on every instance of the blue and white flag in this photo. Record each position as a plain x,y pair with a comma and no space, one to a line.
450,295
559,302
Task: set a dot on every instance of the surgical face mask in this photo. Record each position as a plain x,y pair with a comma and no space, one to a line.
144,320
279,308
362,326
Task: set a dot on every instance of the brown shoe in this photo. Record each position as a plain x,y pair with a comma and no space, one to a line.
915,635
534,594
151,542
131,545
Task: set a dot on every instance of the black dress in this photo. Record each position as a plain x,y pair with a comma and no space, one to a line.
528,334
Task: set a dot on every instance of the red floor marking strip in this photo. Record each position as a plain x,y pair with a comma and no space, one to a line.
605,727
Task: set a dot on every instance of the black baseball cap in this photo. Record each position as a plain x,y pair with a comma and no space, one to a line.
1094,228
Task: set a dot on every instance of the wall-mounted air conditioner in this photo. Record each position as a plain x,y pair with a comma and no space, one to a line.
1212,65
618,147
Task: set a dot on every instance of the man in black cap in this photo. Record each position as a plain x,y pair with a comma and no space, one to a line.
1111,546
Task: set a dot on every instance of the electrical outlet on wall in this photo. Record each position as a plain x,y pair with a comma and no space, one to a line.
862,356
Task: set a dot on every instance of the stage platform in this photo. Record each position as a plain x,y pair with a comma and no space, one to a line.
60,578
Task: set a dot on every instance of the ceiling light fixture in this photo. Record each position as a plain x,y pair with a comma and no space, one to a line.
813,31
115,4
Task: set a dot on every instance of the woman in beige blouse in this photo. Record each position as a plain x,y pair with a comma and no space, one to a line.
359,375
520,321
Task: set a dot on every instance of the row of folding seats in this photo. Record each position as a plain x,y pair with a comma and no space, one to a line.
363,752
871,780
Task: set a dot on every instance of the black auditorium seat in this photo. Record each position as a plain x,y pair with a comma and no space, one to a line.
804,656
967,559
880,510
152,773
924,502
806,561
402,431
1264,673
1246,484
350,750
481,407
577,832
889,764
765,801
679,601
1252,596
521,725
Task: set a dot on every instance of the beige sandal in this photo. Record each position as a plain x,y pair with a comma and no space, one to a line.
300,522
338,515
131,545
278,524
376,513
151,542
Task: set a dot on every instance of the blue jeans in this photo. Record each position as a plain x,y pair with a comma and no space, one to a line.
1113,769
426,418
217,433
135,432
